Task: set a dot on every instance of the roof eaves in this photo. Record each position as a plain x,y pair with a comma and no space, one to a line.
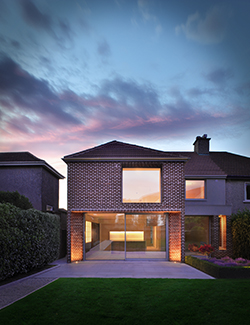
41,163
238,176
125,159
205,176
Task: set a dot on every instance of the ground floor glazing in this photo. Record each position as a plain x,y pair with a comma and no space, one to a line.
125,236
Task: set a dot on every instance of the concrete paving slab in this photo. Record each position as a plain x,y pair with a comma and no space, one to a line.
137,269
16,290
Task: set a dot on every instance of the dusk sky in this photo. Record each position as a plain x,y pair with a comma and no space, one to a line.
78,73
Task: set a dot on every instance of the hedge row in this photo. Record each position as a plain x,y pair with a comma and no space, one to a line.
240,224
28,239
219,272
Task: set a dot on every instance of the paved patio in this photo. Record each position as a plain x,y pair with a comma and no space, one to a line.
16,290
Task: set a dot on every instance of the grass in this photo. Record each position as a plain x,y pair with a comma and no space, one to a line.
133,301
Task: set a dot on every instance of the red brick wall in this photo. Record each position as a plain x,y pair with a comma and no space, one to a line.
97,186
76,240
215,238
175,234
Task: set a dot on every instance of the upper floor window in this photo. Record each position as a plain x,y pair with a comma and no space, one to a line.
195,189
247,191
141,185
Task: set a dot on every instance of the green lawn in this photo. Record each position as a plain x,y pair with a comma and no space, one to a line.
134,301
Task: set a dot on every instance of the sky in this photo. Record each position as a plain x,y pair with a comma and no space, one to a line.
75,74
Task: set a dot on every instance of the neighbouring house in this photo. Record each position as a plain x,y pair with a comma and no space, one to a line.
31,177
38,181
130,202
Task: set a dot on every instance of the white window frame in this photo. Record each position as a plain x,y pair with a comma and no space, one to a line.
245,192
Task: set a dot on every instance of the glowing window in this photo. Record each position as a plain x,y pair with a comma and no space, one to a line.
88,232
195,189
223,232
141,185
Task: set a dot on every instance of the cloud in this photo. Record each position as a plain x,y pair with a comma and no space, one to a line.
219,76
27,94
34,16
59,28
244,89
208,30
103,49
197,92
144,10
33,112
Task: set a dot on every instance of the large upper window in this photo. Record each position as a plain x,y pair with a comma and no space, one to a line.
195,189
141,185
247,191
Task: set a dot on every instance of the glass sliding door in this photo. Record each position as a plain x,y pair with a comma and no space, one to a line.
104,236
145,236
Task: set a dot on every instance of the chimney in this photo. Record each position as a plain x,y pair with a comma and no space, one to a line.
201,145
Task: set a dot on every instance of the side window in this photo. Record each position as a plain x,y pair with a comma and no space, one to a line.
247,191
195,189
222,232
88,232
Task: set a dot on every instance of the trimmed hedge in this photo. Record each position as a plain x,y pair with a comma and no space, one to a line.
219,272
29,239
240,224
16,199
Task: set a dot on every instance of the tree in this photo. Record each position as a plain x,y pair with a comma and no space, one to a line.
16,199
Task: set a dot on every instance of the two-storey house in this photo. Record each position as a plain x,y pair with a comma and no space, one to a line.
131,202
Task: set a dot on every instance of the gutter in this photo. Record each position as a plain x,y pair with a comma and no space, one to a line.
125,159
40,163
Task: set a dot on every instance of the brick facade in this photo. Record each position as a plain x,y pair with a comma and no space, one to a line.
76,238
215,237
97,186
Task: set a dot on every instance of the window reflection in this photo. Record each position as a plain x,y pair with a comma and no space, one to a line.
141,185
195,189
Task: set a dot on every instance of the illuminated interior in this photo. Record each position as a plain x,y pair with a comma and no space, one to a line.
145,236
141,185
195,189
223,232
130,235
88,232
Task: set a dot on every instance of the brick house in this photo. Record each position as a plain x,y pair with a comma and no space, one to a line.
131,202
31,177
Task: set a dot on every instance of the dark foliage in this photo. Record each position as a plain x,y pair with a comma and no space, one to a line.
219,272
16,199
240,224
28,239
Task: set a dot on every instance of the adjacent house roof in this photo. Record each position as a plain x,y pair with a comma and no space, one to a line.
15,159
222,164
219,164
116,150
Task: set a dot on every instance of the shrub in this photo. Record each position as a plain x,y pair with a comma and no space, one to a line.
193,248
28,239
219,271
206,249
240,224
16,199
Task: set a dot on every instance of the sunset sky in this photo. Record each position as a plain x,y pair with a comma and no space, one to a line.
78,73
